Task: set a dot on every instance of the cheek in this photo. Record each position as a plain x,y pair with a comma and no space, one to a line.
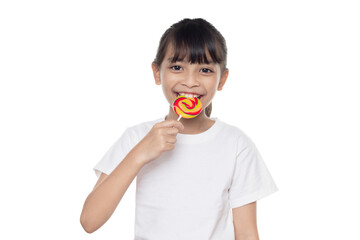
213,84
170,79
165,76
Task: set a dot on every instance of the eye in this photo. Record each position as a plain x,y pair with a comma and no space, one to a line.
176,68
206,70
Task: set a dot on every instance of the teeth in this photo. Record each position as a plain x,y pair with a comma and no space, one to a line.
188,95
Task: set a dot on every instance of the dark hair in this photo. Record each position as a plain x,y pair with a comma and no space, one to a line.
193,39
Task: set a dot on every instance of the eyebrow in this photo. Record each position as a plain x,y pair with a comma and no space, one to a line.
171,60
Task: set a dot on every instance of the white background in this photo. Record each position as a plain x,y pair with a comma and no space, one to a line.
74,74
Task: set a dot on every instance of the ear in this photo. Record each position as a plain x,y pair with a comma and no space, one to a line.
223,78
156,72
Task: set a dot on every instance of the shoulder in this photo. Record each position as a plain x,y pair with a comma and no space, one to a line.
236,134
231,130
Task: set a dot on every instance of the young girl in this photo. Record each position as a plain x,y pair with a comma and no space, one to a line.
189,172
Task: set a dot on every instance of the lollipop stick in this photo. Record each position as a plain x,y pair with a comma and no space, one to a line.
179,118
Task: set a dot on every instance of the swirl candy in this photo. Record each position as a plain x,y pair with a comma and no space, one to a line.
187,107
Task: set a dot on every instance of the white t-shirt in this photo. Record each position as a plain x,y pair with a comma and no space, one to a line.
188,192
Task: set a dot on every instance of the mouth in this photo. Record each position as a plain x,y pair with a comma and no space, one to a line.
188,95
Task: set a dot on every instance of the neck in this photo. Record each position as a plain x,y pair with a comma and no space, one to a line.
194,125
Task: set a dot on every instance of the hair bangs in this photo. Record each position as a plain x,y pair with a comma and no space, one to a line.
194,45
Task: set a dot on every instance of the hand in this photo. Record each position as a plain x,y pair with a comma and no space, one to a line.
161,138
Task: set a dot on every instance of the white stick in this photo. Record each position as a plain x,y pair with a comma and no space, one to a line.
179,118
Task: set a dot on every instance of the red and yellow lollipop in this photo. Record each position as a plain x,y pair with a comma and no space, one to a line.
187,107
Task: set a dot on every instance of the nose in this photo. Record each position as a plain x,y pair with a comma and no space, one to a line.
191,80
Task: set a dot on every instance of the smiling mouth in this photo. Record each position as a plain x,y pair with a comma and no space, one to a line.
188,95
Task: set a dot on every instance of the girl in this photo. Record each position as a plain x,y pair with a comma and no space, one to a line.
189,172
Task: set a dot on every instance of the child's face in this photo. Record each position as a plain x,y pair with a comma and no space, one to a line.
183,77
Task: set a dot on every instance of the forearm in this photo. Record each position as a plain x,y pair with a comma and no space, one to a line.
244,219
103,200
247,237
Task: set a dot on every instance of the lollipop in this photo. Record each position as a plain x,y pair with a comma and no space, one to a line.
187,107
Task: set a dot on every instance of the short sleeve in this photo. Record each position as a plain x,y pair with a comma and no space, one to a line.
251,179
115,154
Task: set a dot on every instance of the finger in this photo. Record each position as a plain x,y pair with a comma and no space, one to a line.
171,140
170,146
172,131
171,123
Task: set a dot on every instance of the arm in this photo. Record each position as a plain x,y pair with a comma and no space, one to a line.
108,191
244,219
